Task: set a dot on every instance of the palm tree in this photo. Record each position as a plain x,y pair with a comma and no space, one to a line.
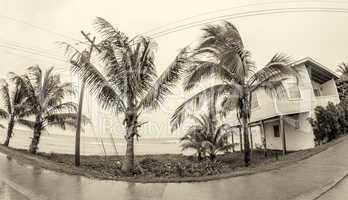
199,137
128,84
221,54
47,93
15,105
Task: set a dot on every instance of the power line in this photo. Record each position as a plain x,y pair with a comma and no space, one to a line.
247,14
31,52
238,7
40,28
31,49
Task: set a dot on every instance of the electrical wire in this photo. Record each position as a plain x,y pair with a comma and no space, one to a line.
248,14
238,7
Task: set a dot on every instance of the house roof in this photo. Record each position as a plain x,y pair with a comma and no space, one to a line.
317,71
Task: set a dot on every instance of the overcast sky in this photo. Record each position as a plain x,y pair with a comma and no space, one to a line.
37,24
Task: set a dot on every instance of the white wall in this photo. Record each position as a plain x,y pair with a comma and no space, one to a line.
296,139
329,88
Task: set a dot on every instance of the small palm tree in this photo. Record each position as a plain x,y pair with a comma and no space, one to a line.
199,138
221,54
47,93
128,84
15,106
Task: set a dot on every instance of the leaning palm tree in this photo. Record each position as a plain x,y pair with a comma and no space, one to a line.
221,54
15,105
128,84
200,138
47,93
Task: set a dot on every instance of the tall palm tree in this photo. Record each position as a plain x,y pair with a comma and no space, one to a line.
128,84
200,138
47,94
221,54
15,105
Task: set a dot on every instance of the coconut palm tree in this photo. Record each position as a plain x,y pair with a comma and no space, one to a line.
47,94
221,54
200,138
129,83
15,106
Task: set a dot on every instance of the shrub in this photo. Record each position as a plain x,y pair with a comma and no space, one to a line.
329,122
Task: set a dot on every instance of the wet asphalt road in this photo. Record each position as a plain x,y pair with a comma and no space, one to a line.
339,192
22,181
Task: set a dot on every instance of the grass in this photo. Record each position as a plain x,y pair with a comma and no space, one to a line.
166,167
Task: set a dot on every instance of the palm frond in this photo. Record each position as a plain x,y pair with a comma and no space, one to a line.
63,107
63,120
165,82
5,96
277,68
106,94
109,32
229,104
274,88
27,123
197,100
3,114
343,69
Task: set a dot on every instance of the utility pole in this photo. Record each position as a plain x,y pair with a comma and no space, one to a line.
79,112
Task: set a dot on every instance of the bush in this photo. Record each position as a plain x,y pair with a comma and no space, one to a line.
179,168
329,122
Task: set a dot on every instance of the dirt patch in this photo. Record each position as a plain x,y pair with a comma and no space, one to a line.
166,167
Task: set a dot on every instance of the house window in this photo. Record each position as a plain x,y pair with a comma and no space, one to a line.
276,131
293,91
254,101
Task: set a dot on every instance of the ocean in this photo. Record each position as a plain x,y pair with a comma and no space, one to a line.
56,143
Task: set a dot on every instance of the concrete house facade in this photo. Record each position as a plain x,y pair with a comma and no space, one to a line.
282,124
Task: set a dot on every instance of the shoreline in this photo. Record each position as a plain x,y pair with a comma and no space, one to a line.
264,166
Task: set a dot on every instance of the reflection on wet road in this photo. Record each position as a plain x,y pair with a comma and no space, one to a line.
286,183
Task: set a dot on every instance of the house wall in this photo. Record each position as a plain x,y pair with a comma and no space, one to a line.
329,88
296,139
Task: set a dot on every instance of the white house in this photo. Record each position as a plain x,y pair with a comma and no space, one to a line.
282,124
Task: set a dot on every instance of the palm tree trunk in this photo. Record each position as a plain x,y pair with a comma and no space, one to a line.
245,115
9,131
128,164
232,142
36,137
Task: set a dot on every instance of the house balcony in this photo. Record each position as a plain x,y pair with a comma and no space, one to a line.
324,100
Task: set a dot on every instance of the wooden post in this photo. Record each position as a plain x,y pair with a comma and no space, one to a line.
232,141
240,138
282,133
264,141
79,112
251,141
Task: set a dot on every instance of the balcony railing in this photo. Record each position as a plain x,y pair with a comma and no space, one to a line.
324,100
